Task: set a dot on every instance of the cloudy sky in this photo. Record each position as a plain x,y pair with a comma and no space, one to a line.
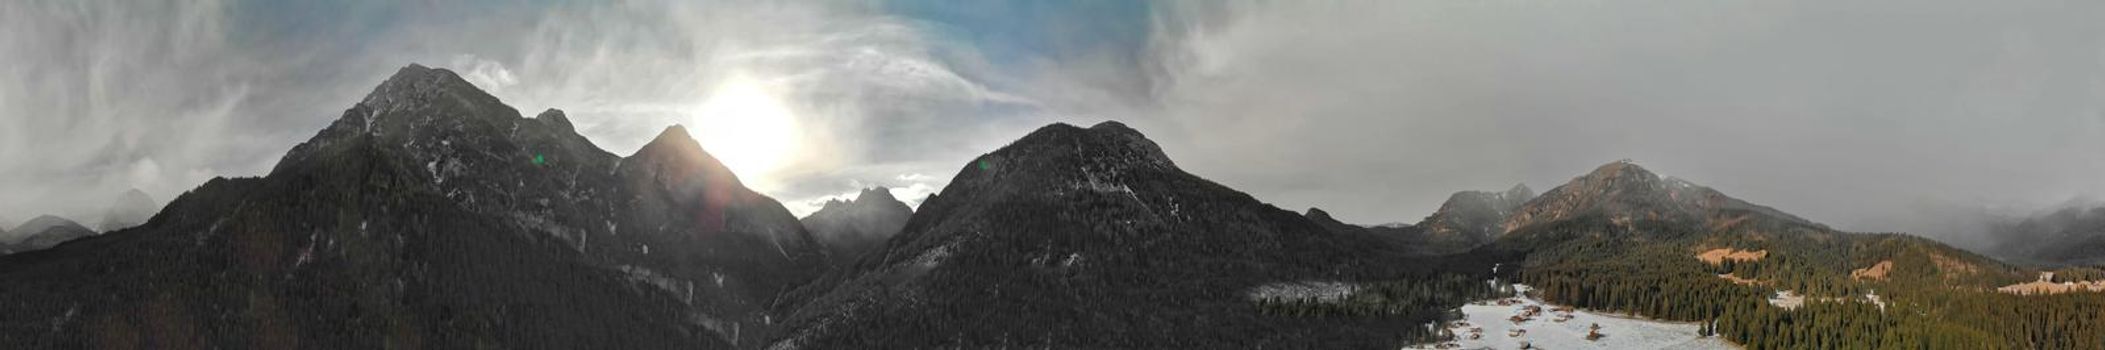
1874,115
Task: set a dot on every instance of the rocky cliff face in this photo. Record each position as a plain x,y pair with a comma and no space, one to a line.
430,215
1467,220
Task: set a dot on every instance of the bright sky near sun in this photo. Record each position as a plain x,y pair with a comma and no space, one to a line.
747,126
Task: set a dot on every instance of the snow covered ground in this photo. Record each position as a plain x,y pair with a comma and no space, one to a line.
1620,332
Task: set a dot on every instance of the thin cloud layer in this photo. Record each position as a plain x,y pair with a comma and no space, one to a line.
116,95
1857,114
1869,115
101,97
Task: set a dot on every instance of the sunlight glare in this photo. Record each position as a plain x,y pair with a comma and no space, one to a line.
747,126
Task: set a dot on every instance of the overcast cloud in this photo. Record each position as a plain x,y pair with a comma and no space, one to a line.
1869,115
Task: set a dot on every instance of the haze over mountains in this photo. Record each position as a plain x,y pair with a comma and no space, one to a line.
130,209
42,232
2070,236
432,215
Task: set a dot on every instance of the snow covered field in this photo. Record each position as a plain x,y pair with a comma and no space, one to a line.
1619,332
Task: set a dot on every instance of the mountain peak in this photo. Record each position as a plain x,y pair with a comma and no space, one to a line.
1316,213
1622,172
1520,191
879,193
674,136
1323,219
1078,209
1626,192
1108,148
555,117
1473,217
130,209
674,152
44,222
851,228
416,85
867,197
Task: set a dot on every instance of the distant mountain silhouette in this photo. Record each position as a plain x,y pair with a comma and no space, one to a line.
1467,220
1407,238
44,232
130,209
848,229
1621,215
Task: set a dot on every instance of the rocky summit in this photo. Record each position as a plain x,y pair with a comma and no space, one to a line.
851,228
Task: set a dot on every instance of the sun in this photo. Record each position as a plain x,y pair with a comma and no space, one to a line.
746,126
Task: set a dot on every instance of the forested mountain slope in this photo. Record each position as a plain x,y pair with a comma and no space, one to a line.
1091,238
1624,239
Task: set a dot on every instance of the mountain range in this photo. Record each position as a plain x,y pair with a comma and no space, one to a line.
431,215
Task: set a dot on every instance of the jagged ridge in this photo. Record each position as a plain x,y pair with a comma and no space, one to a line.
852,228
431,215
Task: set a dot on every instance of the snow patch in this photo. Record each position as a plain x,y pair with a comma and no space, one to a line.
1790,300
1787,300
1318,291
1492,329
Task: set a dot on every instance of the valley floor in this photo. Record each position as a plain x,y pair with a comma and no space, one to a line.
1619,332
